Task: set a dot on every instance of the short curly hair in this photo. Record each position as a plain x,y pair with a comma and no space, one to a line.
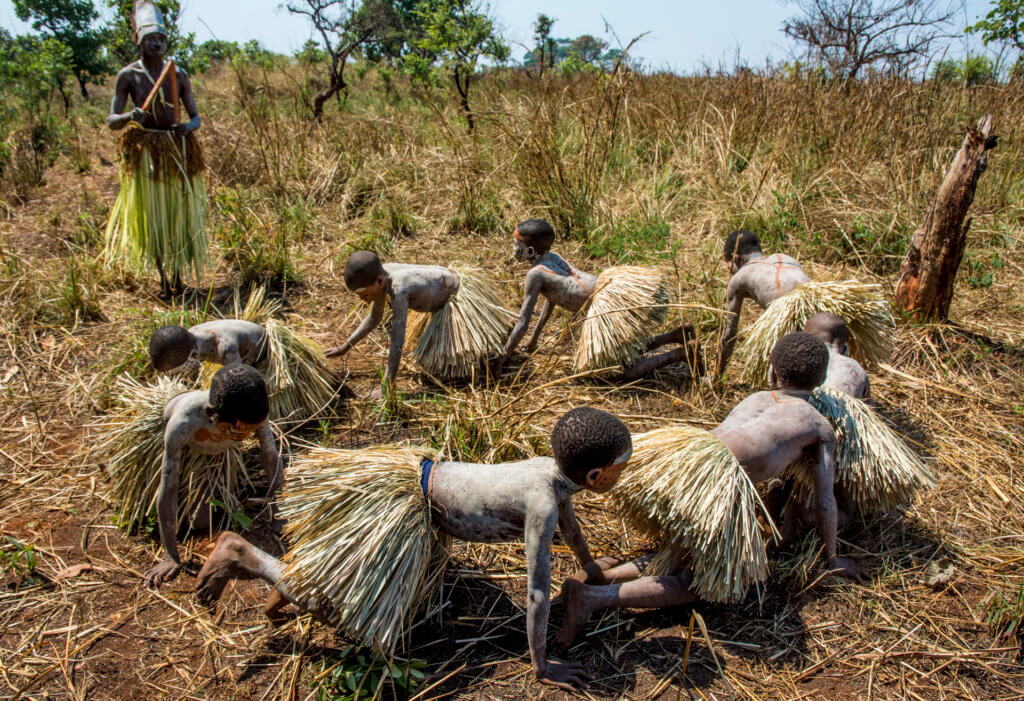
170,346
740,243
586,438
362,269
538,234
800,360
828,327
238,393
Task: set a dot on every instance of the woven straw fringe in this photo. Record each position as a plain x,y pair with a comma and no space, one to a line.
621,314
684,485
299,381
131,442
362,540
873,464
159,213
862,306
454,342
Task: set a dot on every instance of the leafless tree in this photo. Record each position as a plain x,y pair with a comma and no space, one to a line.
344,26
848,36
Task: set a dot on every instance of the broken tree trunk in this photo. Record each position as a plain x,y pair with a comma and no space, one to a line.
925,287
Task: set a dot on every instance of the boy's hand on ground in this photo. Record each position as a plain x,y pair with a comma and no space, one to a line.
164,572
595,575
564,675
337,351
849,569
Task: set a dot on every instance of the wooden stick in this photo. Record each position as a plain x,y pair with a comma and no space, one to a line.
175,102
156,86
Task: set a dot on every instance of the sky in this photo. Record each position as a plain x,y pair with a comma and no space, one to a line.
682,35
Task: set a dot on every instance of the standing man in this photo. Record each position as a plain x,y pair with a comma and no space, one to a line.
158,217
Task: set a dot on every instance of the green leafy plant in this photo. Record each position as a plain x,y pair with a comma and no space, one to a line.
20,560
238,516
358,674
635,240
1005,615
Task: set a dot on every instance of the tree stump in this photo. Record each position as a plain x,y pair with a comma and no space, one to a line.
925,287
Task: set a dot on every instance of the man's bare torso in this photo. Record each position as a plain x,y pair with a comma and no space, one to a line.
187,424
229,341
846,375
427,288
139,84
491,503
766,279
561,283
769,431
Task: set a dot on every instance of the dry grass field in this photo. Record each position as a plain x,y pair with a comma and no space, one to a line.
651,170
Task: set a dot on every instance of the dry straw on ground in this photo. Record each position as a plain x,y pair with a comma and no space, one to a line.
836,176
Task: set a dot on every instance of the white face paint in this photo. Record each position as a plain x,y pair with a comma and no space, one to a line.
522,252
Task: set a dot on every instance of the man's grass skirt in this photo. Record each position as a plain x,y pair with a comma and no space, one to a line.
131,442
862,306
157,219
362,540
454,342
299,381
685,487
873,464
624,310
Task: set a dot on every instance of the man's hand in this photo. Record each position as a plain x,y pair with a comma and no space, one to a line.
164,572
338,351
138,115
180,129
564,675
849,569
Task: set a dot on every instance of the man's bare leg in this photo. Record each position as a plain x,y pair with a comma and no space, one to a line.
690,352
582,600
236,558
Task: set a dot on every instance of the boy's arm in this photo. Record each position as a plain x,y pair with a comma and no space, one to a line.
734,296
368,324
399,317
545,314
569,527
539,530
167,508
532,287
271,458
827,512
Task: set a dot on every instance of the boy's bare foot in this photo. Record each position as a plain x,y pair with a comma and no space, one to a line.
275,602
576,614
231,559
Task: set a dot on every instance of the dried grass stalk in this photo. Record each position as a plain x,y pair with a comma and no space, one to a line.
362,539
861,305
299,381
686,487
131,442
628,303
455,341
158,216
876,468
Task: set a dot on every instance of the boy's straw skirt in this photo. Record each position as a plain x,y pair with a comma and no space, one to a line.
456,341
364,549
862,306
627,304
158,216
684,486
873,464
131,443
